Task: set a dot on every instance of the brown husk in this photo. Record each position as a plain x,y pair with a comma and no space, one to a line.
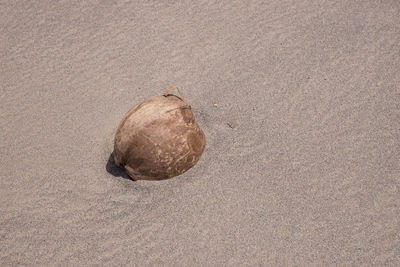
158,139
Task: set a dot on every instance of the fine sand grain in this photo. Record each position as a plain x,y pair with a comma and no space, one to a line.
299,101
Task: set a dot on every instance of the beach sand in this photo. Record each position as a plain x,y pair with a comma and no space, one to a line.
302,161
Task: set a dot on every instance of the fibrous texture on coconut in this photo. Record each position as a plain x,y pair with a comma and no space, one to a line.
158,139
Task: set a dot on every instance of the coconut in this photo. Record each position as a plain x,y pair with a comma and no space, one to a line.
158,138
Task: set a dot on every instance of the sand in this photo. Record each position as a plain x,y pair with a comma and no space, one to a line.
302,161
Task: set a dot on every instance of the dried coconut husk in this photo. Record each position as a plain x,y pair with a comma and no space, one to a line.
159,138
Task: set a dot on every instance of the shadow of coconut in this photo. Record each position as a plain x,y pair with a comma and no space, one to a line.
114,170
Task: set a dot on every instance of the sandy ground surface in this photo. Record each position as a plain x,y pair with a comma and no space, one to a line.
308,175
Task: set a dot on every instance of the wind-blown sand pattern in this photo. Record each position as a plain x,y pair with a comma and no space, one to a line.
302,161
